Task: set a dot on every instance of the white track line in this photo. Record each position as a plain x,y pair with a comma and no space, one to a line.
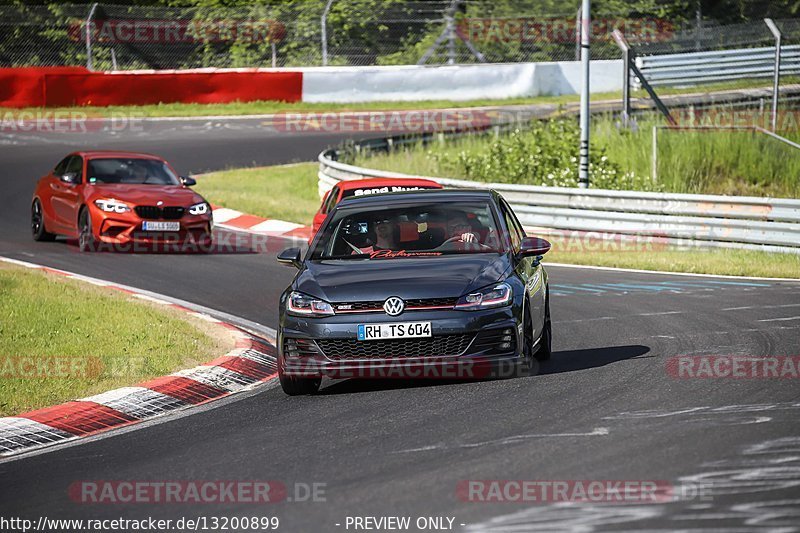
615,269
780,319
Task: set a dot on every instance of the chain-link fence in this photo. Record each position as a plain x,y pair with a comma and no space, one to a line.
757,63
709,35
323,32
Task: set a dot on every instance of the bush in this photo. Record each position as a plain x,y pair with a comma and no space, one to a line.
541,155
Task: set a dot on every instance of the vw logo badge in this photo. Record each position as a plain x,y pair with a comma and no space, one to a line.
393,306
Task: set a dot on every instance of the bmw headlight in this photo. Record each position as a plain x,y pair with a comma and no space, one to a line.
199,209
305,305
496,295
112,206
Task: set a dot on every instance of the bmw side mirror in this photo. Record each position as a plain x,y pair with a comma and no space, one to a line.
534,246
70,177
290,256
187,181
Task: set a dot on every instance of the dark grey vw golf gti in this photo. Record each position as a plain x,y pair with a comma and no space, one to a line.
424,284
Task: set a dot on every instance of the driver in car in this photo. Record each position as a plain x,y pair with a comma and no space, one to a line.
139,174
460,234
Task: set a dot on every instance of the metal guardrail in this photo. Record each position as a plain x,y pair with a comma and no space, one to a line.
718,65
684,219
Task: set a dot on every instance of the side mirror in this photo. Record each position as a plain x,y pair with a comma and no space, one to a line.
70,177
290,256
187,181
533,246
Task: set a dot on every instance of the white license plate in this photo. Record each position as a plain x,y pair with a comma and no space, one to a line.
402,330
150,225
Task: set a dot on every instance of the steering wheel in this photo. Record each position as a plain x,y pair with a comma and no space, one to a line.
463,245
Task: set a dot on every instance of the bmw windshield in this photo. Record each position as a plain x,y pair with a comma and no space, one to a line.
417,230
130,171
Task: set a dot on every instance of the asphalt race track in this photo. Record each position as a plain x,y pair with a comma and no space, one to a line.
604,408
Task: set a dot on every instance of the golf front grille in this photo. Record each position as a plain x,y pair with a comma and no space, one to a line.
377,305
438,346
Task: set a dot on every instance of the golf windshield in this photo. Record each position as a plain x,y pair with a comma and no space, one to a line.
424,230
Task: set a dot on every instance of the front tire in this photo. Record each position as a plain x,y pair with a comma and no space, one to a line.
294,386
86,240
546,342
530,365
38,228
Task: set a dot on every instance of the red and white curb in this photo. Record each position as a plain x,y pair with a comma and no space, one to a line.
251,362
236,220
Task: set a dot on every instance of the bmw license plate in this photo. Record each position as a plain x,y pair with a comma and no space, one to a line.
151,225
402,330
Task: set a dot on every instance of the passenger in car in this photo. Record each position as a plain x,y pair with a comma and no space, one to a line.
385,231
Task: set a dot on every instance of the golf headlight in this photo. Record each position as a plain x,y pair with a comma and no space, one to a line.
496,295
199,209
112,206
303,304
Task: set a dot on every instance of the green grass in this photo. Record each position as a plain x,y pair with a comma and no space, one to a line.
696,261
285,192
705,162
89,340
740,163
290,193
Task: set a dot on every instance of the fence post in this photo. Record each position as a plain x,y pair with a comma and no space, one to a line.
626,75
324,32
578,35
777,75
654,159
448,33
451,34
89,23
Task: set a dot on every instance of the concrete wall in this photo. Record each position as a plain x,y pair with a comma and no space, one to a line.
458,82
